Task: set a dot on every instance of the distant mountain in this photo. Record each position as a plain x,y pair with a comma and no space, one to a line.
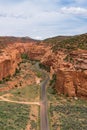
9,39
68,42
5,40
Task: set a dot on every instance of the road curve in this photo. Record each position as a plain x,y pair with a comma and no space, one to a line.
44,125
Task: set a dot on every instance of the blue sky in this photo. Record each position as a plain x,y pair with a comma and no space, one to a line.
43,18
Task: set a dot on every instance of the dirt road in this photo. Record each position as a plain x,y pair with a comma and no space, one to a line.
18,102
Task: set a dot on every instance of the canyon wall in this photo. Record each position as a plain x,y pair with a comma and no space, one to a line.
10,57
71,83
9,60
70,68
71,71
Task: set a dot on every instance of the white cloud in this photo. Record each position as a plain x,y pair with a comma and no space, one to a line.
74,10
40,19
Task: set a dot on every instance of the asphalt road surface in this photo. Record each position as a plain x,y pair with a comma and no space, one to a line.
44,125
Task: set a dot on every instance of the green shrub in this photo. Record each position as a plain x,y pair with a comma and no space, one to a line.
52,82
24,56
33,124
5,79
42,66
17,71
39,74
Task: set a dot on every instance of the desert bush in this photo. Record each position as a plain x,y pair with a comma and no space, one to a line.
13,116
42,66
24,56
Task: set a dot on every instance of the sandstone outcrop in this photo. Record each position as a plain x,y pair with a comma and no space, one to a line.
9,62
11,56
71,71
72,83
70,67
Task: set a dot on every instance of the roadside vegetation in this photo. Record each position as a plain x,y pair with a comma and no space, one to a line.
28,93
13,116
66,113
18,116
34,118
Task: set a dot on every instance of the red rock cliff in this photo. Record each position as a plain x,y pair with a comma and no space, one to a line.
9,60
11,56
71,71
72,83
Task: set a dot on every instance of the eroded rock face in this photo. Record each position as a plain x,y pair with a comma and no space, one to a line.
72,83
26,76
36,52
11,56
71,71
9,62
79,59
70,68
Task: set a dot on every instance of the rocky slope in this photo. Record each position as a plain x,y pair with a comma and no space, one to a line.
68,61
10,56
66,57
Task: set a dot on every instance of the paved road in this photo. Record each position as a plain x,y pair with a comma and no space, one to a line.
44,125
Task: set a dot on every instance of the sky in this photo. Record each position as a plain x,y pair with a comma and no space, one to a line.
40,19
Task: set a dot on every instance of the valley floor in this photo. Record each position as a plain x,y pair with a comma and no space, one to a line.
20,105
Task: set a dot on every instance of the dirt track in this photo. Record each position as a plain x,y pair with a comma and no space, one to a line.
18,102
